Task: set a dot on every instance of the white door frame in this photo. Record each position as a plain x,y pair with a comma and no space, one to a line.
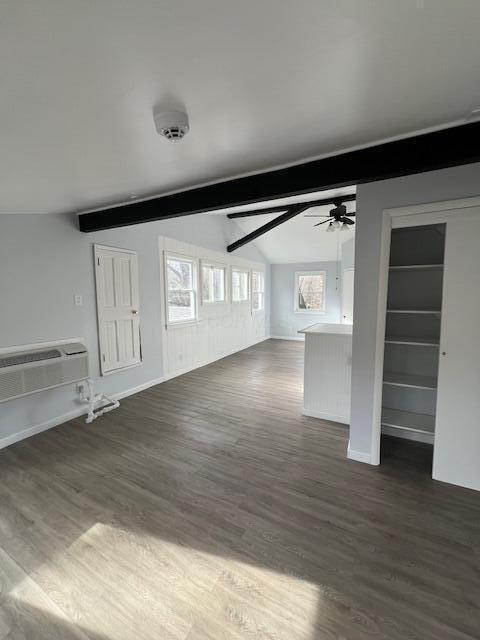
395,218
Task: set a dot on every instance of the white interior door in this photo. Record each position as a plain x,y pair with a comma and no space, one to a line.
457,427
347,296
117,307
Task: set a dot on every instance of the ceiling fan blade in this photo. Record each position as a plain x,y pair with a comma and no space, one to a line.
347,221
319,223
315,215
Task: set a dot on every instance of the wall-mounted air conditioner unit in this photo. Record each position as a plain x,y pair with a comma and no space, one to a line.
26,372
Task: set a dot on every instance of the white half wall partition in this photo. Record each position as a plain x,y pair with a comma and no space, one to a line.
327,373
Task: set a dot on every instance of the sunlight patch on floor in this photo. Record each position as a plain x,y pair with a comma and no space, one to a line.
121,584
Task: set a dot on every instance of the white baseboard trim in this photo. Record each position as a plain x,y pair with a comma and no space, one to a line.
311,413
204,363
71,415
408,435
297,338
43,426
133,390
359,456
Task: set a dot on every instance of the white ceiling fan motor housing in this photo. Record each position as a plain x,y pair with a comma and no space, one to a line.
171,124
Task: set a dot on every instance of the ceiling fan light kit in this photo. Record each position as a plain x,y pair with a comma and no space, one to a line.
338,218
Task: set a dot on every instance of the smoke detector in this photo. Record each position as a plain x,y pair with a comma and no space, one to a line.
171,124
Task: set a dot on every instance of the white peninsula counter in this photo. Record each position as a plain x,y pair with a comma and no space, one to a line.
327,371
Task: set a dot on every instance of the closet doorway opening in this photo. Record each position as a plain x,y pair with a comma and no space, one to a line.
427,375
412,337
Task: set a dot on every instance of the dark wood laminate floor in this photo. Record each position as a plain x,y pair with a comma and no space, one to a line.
209,508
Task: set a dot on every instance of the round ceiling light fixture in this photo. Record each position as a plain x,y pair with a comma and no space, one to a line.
173,125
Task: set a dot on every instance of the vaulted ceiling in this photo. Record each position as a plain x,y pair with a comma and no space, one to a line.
264,83
298,240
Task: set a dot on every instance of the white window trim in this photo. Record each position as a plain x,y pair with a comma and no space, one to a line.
211,263
246,270
261,273
318,312
195,277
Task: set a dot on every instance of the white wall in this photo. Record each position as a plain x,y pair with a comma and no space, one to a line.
222,328
347,262
45,260
284,322
372,199
348,254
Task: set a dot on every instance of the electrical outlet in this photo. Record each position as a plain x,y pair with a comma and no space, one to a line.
78,300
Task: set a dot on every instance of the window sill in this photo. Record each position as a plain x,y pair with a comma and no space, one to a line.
179,325
310,312
112,371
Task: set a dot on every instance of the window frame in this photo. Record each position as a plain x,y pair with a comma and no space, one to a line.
260,273
215,265
246,270
296,308
195,270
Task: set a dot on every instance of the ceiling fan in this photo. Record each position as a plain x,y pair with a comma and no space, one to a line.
338,217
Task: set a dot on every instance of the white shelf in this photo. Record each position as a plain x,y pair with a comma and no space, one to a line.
418,422
416,267
422,342
410,381
417,311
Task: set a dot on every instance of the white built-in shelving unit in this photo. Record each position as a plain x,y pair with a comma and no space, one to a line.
412,336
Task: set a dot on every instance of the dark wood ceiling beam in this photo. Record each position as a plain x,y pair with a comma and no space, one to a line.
258,212
294,210
427,152
308,205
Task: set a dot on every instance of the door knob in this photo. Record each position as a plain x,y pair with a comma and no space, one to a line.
135,312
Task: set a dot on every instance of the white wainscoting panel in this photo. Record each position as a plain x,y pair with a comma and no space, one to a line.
221,329
328,370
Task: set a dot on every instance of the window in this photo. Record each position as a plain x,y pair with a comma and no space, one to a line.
181,289
258,290
240,292
213,283
310,291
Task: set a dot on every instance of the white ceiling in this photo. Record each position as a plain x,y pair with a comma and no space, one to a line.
298,240
265,84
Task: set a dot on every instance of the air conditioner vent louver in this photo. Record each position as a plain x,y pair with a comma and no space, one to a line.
23,373
32,356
